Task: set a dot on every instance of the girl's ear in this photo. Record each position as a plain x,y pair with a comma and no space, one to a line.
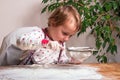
52,22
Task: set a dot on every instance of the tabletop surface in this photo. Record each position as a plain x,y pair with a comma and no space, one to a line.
91,71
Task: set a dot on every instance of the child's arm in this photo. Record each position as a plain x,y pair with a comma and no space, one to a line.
31,40
34,40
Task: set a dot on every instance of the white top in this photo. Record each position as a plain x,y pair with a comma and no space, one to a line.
30,36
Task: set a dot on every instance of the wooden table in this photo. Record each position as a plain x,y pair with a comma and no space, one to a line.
61,72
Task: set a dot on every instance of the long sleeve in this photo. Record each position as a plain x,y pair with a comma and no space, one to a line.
31,40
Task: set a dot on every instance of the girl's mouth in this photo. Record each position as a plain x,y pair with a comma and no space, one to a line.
60,42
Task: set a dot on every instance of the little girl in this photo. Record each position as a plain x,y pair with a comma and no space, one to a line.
43,46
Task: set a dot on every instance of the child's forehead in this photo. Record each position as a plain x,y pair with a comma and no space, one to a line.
70,23
70,27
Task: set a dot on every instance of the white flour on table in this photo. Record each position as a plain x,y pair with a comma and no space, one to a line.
88,73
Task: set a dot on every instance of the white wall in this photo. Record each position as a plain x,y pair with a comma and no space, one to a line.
21,13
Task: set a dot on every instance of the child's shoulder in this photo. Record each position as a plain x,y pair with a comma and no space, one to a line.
25,30
30,28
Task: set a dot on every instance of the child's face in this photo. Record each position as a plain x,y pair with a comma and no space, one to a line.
62,33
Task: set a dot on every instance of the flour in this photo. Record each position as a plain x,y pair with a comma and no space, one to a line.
50,74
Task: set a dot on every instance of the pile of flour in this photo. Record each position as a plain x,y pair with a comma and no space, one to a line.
88,73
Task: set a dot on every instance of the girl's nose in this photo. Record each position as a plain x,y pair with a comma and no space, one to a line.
66,38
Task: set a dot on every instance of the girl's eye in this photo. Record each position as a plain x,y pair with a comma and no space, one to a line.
64,33
71,35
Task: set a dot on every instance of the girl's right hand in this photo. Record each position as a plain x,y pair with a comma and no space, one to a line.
74,61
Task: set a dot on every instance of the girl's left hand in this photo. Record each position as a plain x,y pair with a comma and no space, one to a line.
54,45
